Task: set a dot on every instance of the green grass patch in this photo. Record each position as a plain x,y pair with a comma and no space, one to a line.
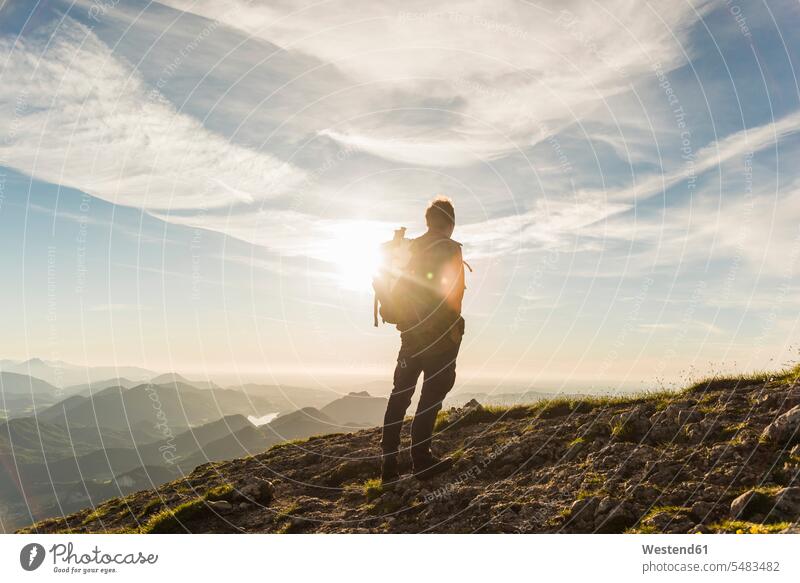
101,512
372,488
728,382
593,480
221,492
290,443
170,520
643,529
768,490
622,430
735,427
576,442
150,507
745,527
550,408
288,511
671,510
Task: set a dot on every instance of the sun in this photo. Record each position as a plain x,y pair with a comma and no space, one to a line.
355,252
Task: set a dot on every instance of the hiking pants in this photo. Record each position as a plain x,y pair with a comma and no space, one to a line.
439,369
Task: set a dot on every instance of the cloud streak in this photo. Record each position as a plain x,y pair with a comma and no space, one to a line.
78,116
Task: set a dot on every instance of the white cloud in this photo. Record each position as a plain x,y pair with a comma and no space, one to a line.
496,79
730,148
75,115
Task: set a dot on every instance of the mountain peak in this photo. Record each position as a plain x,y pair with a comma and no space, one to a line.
359,394
169,377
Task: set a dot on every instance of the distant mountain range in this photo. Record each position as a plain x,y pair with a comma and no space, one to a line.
63,447
62,374
176,405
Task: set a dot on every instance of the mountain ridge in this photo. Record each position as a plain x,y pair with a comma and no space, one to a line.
719,456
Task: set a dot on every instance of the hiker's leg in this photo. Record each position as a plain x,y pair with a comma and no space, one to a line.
440,376
406,374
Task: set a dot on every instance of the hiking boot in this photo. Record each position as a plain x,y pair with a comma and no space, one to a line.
427,467
390,471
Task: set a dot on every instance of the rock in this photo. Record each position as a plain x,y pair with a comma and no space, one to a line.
581,514
631,426
670,521
456,414
220,506
244,506
688,416
472,405
749,504
613,516
785,428
259,491
643,493
702,511
787,504
665,472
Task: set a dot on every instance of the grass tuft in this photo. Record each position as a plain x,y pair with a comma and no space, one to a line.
170,520
221,492
373,489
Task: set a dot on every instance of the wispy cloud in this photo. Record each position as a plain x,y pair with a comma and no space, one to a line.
491,81
78,116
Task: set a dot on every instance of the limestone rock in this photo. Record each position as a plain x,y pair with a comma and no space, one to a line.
750,504
220,506
784,428
258,491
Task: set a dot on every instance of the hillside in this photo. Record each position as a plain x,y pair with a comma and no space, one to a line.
181,404
13,383
720,456
357,408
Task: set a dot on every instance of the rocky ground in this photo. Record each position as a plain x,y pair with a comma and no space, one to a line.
721,456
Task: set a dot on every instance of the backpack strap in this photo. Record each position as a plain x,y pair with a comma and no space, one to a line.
375,310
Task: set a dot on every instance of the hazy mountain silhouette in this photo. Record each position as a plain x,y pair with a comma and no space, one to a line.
357,408
12,383
64,374
172,378
22,394
300,424
289,398
178,405
87,389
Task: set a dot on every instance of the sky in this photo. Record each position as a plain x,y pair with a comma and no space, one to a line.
200,185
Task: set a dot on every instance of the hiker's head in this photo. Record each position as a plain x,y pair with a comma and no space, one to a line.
441,216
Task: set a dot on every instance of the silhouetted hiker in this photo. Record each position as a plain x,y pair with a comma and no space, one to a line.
425,304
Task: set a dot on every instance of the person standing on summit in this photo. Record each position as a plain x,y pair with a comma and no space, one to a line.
429,294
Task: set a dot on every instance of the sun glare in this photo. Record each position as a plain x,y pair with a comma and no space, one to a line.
355,251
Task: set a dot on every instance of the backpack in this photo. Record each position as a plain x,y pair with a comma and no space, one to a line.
395,284
394,256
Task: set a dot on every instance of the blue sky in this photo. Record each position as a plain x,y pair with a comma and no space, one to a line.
198,185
